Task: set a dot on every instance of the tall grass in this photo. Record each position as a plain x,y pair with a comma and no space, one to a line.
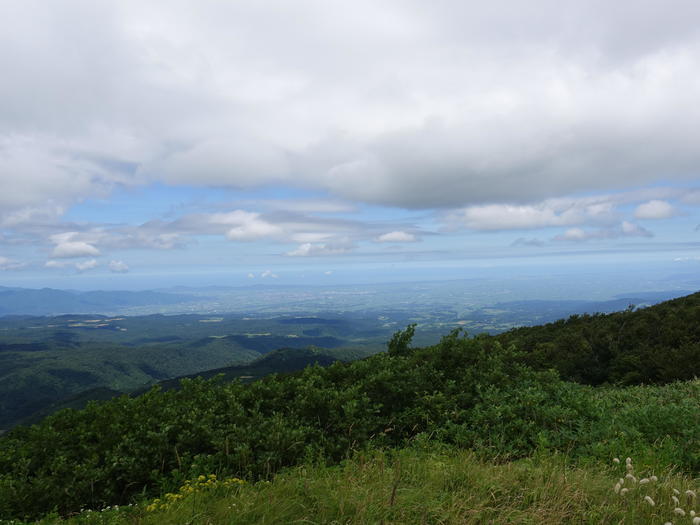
425,485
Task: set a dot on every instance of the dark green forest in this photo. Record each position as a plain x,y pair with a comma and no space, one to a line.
505,397
652,345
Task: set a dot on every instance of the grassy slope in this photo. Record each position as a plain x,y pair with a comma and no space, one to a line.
421,485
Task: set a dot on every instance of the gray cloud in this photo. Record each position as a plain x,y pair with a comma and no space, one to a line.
523,241
410,104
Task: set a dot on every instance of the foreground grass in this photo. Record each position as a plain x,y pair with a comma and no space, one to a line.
422,487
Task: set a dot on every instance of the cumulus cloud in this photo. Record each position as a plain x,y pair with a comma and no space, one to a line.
396,236
270,274
68,246
483,103
655,209
245,226
118,267
549,213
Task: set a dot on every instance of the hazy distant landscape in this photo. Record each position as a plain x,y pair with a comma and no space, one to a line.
47,361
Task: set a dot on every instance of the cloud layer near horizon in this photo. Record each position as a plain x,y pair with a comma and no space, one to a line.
398,103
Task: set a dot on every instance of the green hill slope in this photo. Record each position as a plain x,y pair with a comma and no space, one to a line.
657,344
284,360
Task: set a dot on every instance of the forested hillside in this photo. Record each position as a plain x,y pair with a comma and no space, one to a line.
657,344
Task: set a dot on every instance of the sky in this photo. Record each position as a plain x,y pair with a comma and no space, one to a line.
181,142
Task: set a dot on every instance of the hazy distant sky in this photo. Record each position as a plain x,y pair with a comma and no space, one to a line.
249,141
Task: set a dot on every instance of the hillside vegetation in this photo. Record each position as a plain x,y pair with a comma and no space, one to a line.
47,361
484,394
658,344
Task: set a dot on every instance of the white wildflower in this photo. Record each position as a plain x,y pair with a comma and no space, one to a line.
624,491
696,520
676,492
649,500
692,513
679,511
631,478
617,488
676,502
616,460
654,479
628,461
690,494
644,481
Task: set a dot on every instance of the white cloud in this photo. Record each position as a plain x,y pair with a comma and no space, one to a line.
575,234
270,274
247,226
118,267
328,272
320,249
84,266
626,229
57,264
552,212
79,266
634,230
67,247
396,236
251,276
655,209
10,264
